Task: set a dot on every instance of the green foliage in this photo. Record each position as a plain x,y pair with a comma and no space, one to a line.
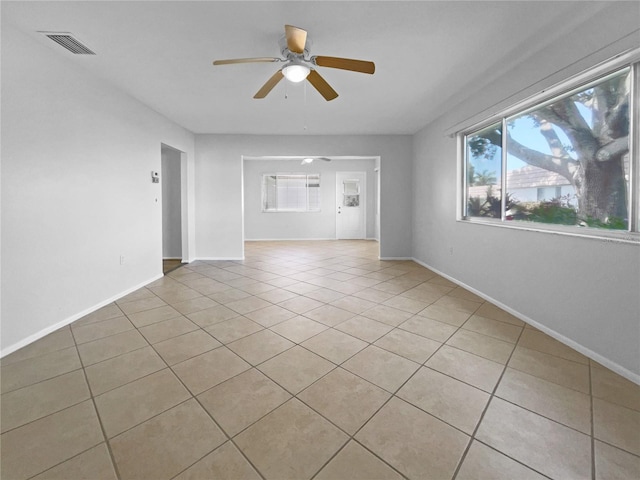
490,207
559,211
553,212
485,143
611,223
471,173
485,178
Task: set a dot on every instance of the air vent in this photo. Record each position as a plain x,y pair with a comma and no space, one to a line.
68,41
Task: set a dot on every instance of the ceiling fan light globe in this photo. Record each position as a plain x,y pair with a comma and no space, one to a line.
296,73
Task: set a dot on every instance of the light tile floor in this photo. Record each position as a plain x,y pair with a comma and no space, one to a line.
311,360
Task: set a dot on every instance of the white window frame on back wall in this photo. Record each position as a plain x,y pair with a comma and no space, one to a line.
581,82
278,201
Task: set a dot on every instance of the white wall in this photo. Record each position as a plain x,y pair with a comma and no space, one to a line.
259,225
76,190
582,290
171,204
219,186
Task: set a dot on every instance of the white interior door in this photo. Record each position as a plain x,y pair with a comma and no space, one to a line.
351,205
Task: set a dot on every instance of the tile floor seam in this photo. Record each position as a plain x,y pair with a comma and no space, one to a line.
126,383
116,356
98,416
192,397
330,459
395,393
493,395
149,418
228,437
553,355
244,429
618,448
484,411
97,322
70,458
254,263
351,437
17,362
546,379
511,458
41,381
543,416
93,398
234,376
49,414
295,395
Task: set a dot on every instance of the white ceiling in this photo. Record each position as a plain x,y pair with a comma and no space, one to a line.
426,53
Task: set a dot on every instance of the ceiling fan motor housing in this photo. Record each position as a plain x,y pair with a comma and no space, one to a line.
288,54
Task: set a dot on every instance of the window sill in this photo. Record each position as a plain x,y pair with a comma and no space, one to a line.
613,236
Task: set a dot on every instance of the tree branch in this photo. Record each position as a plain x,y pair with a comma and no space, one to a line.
568,111
568,118
564,166
555,145
613,150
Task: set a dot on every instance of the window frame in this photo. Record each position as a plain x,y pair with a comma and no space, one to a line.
291,210
575,84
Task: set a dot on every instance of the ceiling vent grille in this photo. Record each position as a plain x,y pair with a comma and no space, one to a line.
68,41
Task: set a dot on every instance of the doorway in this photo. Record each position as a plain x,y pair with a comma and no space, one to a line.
351,204
171,179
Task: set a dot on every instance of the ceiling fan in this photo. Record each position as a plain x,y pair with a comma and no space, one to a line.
299,66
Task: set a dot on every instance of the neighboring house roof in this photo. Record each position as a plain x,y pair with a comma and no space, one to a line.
525,177
534,177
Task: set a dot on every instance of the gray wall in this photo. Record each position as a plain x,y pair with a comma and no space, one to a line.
77,154
219,194
171,204
259,225
583,291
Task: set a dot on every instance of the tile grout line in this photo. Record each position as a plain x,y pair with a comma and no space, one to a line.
252,265
391,396
370,343
95,409
197,400
486,408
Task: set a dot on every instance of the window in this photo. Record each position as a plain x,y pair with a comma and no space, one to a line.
484,173
291,192
564,160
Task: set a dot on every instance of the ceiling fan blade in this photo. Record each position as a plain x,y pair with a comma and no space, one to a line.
267,87
322,86
361,66
296,38
232,61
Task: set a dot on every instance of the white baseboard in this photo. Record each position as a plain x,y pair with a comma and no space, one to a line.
395,258
221,259
287,239
172,258
628,374
46,331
